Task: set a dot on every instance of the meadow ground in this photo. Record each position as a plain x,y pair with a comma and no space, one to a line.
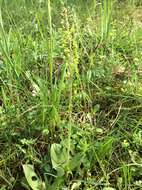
71,94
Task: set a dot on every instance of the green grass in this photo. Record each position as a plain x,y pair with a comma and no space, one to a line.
70,94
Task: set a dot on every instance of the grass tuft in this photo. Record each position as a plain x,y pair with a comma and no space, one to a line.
70,94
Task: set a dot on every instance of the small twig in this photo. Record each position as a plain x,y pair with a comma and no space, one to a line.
115,120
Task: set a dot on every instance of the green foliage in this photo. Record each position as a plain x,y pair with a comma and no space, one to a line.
32,179
70,94
108,188
58,158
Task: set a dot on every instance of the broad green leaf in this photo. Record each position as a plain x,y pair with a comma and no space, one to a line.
34,182
109,188
105,148
58,158
75,161
76,185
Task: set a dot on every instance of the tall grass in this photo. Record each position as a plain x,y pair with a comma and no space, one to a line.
106,12
50,45
70,95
